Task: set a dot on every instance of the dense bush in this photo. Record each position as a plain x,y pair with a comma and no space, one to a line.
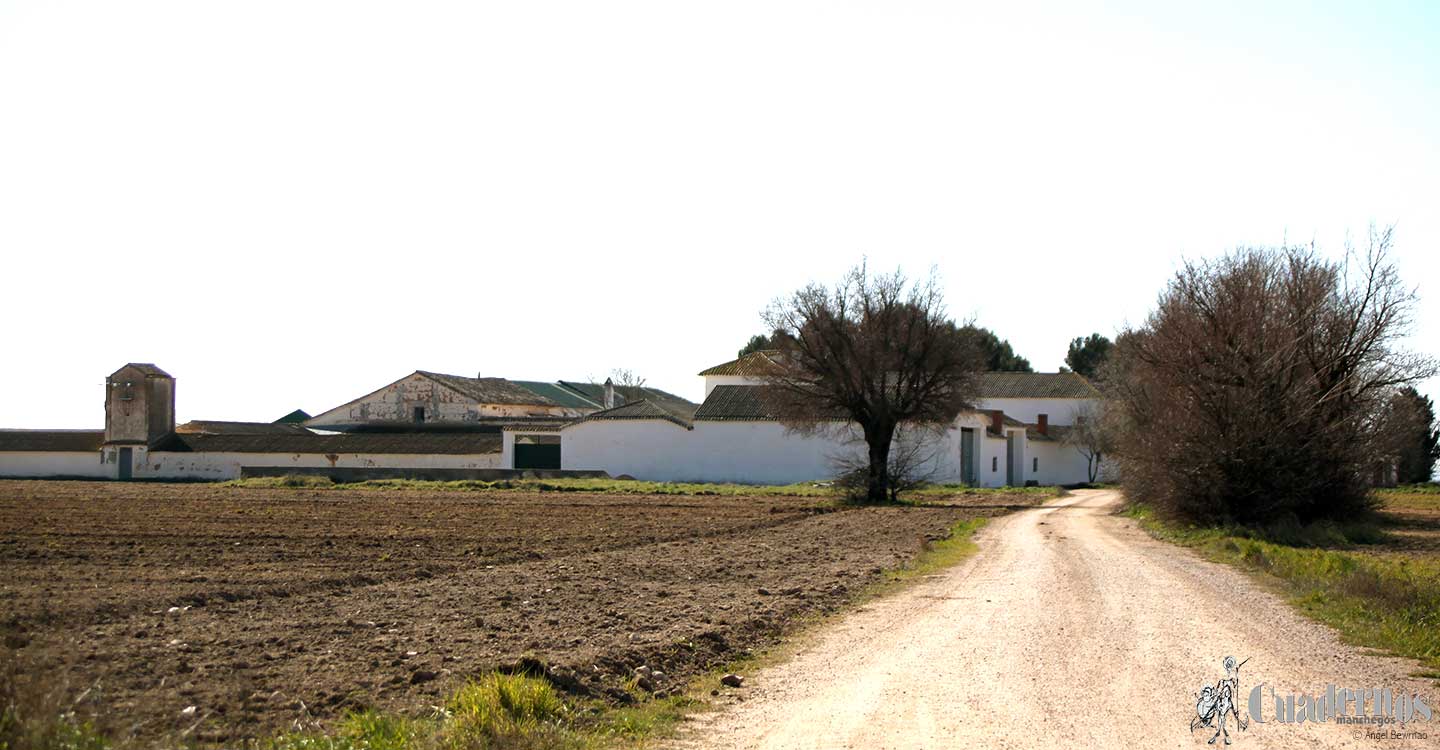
1255,389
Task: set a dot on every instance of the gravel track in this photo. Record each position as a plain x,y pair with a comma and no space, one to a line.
1070,628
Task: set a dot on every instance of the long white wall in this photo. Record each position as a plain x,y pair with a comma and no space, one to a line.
759,452
53,464
215,465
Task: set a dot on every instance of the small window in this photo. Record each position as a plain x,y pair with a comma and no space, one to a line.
994,463
419,414
1035,464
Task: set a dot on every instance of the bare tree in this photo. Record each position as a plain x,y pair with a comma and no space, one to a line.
914,461
874,352
1255,390
627,381
1093,435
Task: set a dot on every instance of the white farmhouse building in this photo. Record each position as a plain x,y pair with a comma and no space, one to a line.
447,426
1015,437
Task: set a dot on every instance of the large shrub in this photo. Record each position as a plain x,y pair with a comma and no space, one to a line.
1254,391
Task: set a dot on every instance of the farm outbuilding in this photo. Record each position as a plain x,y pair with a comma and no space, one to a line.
446,425
1015,437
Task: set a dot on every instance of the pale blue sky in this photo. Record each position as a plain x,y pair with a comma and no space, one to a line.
289,204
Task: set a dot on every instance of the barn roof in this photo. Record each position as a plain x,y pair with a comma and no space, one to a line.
295,417
451,443
628,393
60,441
754,364
1053,433
738,402
645,409
214,427
1035,385
145,368
559,393
490,390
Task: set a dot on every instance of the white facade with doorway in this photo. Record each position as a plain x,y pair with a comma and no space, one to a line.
1016,437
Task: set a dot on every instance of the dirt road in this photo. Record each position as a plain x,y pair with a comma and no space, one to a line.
1071,628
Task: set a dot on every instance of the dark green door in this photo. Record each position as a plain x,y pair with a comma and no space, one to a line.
967,456
530,456
127,455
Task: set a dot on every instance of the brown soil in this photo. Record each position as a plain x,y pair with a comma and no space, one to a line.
297,605
1412,520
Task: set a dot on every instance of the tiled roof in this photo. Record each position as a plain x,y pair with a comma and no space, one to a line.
63,441
1035,385
738,402
535,424
754,364
146,368
490,390
454,443
1053,433
212,427
295,417
642,410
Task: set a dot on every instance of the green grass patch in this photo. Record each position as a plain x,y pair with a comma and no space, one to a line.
1377,599
937,555
1415,497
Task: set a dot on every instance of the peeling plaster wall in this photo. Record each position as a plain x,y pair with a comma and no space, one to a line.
397,401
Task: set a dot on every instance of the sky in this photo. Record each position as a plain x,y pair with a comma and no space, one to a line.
291,204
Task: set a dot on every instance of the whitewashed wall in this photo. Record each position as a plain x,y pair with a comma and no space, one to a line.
758,452
658,450
1059,410
217,465
53,464
713,380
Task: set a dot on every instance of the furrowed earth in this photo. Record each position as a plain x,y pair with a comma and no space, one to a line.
272,609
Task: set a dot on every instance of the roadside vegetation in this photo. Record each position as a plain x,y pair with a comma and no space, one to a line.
1269,384
1375,579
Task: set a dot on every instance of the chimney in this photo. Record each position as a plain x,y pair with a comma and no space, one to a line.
609,393
997,421
1043,424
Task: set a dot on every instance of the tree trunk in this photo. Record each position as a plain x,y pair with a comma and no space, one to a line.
877,488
